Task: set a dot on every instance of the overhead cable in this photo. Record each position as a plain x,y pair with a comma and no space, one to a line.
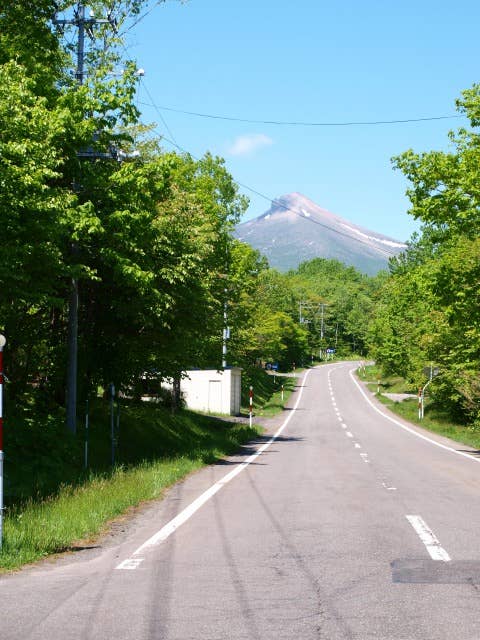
294,123
386,251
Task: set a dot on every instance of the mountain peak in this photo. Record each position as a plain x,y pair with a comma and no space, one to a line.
299,205
296,229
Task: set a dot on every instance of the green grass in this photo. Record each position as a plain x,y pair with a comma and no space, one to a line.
80,513
155,449
435,420
372,374
267,392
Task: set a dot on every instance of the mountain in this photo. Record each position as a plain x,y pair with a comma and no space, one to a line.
295,229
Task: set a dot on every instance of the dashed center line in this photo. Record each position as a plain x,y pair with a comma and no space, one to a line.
350,435
387,487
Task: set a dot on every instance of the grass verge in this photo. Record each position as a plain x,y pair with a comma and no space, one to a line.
155,450
435,420
267,390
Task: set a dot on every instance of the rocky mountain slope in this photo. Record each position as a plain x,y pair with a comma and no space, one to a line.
296,229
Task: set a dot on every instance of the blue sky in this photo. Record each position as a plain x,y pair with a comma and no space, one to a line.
309,61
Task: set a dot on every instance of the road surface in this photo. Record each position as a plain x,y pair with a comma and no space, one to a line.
347,524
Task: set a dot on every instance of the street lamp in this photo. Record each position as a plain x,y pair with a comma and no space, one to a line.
3,342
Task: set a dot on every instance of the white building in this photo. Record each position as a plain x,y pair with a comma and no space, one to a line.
213,391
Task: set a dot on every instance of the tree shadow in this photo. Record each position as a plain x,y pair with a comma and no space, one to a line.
251,449
470,452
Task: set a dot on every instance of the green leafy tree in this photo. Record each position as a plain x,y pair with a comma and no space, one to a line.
427,311
34,210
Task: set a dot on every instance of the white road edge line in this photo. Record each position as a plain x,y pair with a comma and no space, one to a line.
405,428
431,542
133,562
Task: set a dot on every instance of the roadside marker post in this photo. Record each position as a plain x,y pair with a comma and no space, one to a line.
282,392
2,344
432,372
251,406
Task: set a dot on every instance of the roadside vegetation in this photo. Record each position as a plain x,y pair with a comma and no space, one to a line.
427,313
55,504
436,418
267,390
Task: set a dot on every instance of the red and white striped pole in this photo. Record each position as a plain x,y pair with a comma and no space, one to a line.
251,405
2,344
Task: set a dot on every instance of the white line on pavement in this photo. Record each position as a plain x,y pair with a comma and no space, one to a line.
387,487
412,431
431,542
130,563
188,512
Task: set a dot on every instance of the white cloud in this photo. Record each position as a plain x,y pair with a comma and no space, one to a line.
250,142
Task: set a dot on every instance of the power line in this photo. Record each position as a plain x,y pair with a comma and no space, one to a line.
279,204
145,14
142,81
157,110
387,252
304,124
142,17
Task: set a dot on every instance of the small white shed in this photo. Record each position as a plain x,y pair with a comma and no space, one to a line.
213,391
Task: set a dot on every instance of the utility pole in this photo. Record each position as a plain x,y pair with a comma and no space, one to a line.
226,332
84,25
322,319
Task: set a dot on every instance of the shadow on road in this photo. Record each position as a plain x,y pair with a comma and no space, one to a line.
252,447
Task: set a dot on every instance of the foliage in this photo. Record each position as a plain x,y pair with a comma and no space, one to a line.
339,299
427,312
89,195
144,238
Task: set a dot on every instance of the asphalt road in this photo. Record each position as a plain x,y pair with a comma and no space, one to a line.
348,524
